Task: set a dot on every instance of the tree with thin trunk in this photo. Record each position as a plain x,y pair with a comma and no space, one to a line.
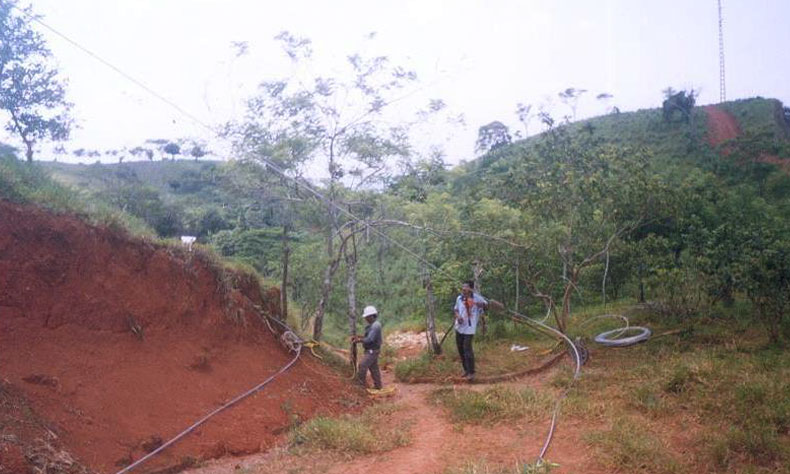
286,248
430,311
570,97
30,90
335,122
351,287
583,198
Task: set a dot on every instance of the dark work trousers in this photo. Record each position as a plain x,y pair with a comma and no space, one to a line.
464,343
370,361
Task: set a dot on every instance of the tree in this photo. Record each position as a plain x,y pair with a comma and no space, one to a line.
492,136
172,149
581,198
740,242
605,97
418,178
198,151
681,102
30,90
570,97
525,115
338,123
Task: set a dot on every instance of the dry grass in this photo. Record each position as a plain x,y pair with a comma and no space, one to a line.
377,429
492,357
628,447
494,404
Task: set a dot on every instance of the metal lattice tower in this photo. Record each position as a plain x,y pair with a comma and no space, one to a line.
722,88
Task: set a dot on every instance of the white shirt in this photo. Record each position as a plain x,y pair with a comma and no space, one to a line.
468,325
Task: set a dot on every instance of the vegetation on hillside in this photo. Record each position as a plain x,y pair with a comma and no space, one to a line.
665,216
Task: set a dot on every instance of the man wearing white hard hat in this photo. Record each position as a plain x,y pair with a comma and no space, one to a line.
371,343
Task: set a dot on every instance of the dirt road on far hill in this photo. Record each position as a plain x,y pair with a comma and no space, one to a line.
722,126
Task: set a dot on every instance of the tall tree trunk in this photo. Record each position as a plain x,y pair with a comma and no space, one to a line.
284,284
430,306
351,286
326,288
326,285
603,283
641,285
570,285
516,304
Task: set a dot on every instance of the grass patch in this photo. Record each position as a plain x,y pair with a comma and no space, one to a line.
375,430
755,444
425,365
681,379
493,404
492,357
27,183
629,447
759,412
648,399
484,467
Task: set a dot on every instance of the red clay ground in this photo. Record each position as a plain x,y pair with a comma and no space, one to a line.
72,298
436,443
722,126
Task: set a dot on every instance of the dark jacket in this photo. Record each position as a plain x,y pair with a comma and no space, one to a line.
372,339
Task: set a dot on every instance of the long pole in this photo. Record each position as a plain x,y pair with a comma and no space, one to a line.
722,87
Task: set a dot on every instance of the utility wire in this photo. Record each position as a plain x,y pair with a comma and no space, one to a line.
310,189
126,76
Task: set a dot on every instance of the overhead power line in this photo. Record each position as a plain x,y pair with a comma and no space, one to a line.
318,195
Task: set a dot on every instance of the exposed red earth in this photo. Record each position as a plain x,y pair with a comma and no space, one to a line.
111,344
722,126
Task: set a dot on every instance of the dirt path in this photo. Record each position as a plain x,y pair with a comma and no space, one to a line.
722,126
425,454
436,443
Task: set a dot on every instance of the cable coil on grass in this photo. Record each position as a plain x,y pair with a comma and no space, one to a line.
612,338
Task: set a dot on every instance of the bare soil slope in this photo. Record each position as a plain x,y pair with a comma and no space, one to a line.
722,126
117,343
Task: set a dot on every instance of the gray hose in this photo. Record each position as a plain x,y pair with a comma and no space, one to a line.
617,341
214,412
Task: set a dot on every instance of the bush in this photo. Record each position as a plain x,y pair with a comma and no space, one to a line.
679,292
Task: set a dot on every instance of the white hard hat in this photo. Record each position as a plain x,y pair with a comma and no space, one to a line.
369,311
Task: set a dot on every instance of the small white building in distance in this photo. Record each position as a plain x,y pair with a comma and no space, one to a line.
188,240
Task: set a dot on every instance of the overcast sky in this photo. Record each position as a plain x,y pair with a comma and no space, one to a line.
481,57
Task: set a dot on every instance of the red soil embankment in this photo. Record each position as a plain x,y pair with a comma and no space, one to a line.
722,126
117,342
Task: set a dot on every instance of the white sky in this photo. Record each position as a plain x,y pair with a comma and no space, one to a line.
481,57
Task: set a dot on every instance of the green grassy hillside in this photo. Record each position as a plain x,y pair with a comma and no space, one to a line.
671,143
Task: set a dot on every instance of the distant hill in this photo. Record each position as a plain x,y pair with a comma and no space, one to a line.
673,144
173,179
